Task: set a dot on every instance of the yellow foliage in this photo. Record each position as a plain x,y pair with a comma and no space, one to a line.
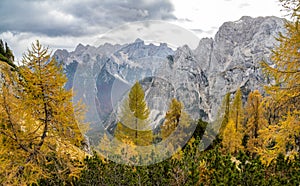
232,139
237,111
283,136
37,122
172,118
134,125
232,132
283,104
137,137
254,111
175,130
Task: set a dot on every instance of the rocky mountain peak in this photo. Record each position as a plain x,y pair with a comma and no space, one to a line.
243,30
80,48
138,40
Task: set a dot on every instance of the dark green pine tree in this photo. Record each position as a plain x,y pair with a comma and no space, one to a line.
6,55
2,49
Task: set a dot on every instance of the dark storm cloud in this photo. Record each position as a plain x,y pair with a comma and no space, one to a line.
77,17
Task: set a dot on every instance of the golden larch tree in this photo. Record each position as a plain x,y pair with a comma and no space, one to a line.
283,132
133,126
172,118
254,114
177,127
39,126
232,135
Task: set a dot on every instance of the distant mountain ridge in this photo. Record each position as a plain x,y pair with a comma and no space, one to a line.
199,78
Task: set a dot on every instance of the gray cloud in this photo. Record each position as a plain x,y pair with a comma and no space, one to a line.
209,32
77,17
155,32
184,20
244,5
198,30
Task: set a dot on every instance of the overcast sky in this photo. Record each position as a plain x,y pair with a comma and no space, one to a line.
65,23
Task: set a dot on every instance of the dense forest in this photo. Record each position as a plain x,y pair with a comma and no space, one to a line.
257,141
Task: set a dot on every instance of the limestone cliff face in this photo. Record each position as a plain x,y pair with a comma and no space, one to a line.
199,78
232,59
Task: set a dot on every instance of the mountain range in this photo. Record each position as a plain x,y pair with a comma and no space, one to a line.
102,75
